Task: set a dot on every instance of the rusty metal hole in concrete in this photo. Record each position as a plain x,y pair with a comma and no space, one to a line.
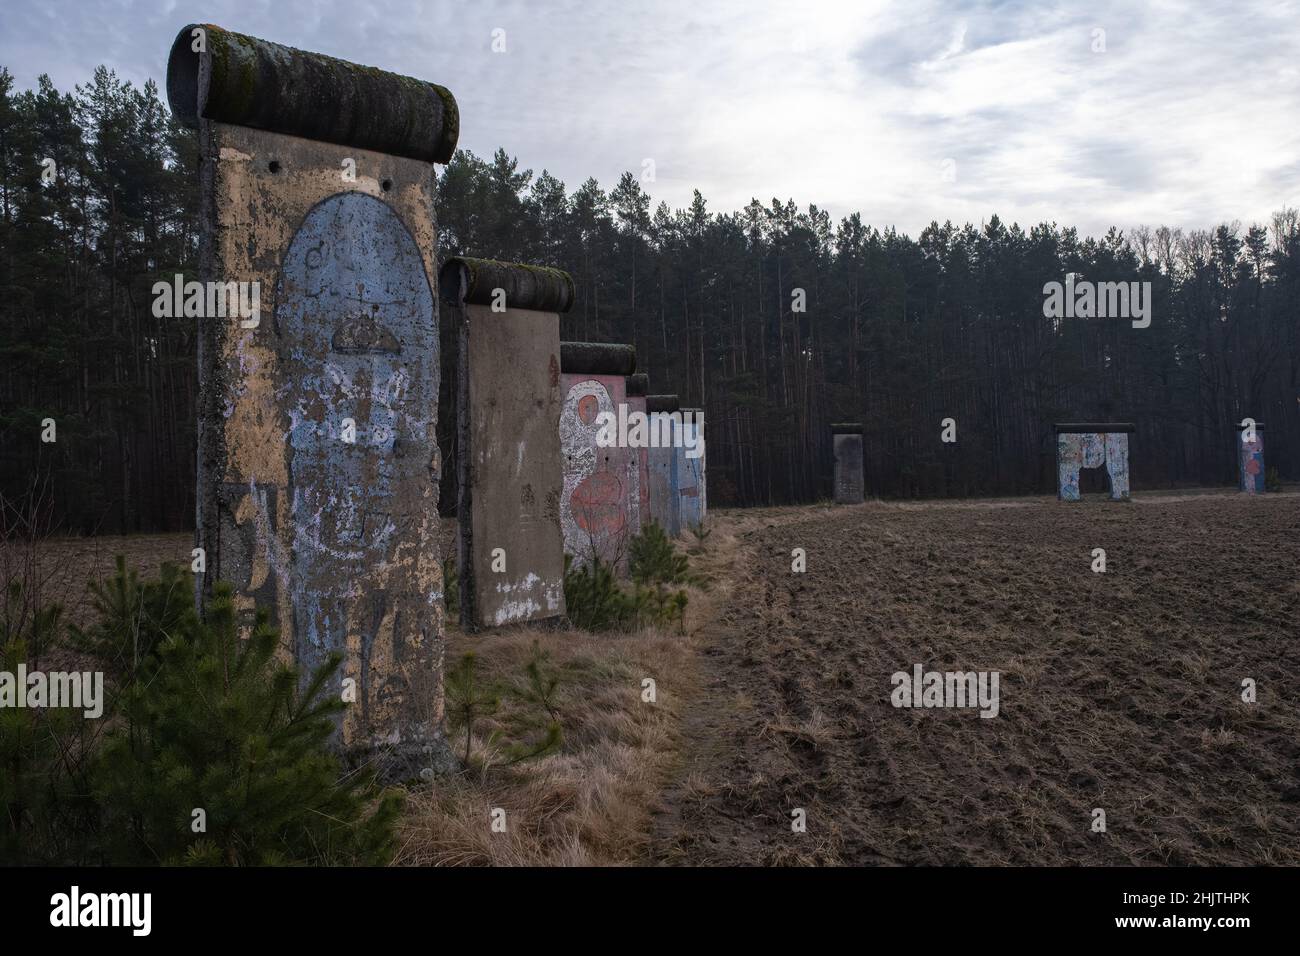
274,166
386,185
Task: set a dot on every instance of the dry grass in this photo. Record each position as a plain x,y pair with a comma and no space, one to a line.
592,803
588,804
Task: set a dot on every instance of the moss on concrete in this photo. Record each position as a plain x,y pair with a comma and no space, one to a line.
269,86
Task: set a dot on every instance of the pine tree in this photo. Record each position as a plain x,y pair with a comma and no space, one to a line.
221,759
468,699
653,558
133,618
37,802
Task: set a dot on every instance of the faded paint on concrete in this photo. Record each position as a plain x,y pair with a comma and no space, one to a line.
599,498
510,464
636,464
661,460
337,539
358,350
1250,462
636,401
1078,450
689,433
847,447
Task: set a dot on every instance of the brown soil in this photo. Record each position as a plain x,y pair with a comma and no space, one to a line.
68,565
1119,691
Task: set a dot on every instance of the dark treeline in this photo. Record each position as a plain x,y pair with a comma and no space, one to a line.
898,333
79,343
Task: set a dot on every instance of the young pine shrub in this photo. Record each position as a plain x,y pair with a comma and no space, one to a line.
44,814
528,731
701,535
206,751
535,728
468,698
220,758
133,618
597,601
594,598
652,558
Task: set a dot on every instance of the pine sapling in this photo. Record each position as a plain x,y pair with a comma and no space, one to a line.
467,700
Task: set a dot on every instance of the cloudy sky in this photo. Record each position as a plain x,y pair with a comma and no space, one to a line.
1084,113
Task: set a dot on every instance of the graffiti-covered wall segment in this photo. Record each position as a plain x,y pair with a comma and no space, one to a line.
599,504
688,460
1250,458
665,500
637,387
1082,445
509,464
318,461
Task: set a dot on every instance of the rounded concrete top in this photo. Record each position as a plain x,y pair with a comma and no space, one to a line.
846,428
245,81
597,358
475,282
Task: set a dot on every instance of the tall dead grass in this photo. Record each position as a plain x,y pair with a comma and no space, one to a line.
592,803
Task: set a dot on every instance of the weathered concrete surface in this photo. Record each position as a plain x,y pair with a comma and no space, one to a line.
1082,445
690,470
318,461
847,445
514,284
599,501
665,502
244,81
511,470
637,386
597,358
1250,462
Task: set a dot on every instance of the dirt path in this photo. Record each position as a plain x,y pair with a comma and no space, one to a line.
1119,691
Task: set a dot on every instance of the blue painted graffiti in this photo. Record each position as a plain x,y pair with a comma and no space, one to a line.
358,346
1076,451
